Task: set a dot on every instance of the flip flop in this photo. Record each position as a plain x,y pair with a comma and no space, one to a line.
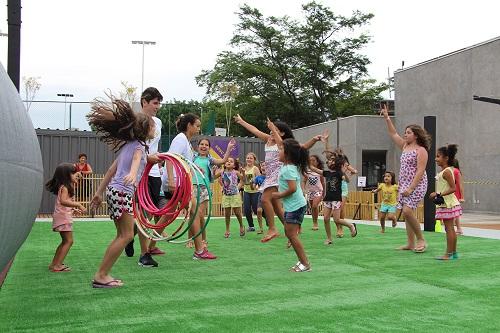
227,234
110,284
355,230
420,249
315,228
267,238
242,233
328,242
405,248
60,270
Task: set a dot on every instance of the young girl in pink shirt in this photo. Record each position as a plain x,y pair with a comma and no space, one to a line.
62,184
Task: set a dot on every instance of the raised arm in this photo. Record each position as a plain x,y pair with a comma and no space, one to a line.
275,132
230,147
391,130
251,128
312,141
328,150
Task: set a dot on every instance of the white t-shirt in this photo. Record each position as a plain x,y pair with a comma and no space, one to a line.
180,145
153,146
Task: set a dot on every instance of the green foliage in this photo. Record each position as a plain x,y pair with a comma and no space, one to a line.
302,72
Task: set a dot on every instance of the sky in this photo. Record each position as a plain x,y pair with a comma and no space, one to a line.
84,47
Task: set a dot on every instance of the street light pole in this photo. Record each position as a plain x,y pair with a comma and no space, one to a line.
143,42
65,97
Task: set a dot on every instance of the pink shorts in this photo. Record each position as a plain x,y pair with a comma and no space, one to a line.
332,204
63,227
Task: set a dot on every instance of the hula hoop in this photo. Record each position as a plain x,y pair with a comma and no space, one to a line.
181,199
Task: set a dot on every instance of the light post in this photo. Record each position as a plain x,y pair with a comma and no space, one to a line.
65,97
143,42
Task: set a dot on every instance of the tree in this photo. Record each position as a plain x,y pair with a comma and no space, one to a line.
302,72
128,93
31,87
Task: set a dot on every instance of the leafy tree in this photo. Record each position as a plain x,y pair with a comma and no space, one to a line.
302,72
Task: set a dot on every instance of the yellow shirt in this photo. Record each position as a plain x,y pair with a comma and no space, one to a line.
389,194
442,185
248,180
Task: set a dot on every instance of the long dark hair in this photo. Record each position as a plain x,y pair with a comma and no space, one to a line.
296,155
339,161
117,123
62,177
283,127
449,151
321,164
184,119
423,137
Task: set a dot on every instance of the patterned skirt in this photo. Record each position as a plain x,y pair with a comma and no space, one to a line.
443,213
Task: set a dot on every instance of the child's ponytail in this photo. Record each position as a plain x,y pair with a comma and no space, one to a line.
449,151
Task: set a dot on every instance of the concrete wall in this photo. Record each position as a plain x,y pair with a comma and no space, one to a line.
356,133
444,87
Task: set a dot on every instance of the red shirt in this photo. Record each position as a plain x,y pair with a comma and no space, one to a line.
457,175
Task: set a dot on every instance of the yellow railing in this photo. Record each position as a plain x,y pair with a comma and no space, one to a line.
360,205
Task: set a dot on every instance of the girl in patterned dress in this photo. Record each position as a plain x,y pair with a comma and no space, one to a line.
412,177
230,179
127,132
450,207
271,206
314,185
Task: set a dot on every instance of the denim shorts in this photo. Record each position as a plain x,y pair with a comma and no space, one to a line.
295,217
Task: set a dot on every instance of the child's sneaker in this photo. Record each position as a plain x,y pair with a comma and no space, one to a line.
204,255
147,261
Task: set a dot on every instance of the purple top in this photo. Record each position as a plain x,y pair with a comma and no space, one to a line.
124,162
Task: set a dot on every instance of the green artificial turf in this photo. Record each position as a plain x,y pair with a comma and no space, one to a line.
357,285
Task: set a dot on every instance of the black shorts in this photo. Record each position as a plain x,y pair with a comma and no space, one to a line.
154,187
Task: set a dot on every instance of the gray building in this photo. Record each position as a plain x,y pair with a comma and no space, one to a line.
441,87
363,139
444,87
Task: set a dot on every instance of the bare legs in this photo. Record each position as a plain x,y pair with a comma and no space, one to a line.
62,251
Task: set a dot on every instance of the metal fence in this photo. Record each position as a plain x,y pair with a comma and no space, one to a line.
58,146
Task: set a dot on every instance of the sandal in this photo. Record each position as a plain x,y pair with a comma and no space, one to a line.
227,234
242,232
300,268
355,233
110,284
315,228
268,237
421,248
328,242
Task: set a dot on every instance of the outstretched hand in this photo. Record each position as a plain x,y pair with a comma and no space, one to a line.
237,119
231,144
325,136
384,111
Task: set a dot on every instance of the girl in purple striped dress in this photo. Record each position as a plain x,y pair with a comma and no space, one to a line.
412,177
271,206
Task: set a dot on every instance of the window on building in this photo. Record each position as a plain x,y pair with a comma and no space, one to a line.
373,167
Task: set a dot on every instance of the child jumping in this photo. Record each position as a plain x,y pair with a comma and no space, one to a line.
447,205
127,133
389,199
62,184
273,165
230,178
295,159
314,185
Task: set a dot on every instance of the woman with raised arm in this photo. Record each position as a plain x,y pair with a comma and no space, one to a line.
412,177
